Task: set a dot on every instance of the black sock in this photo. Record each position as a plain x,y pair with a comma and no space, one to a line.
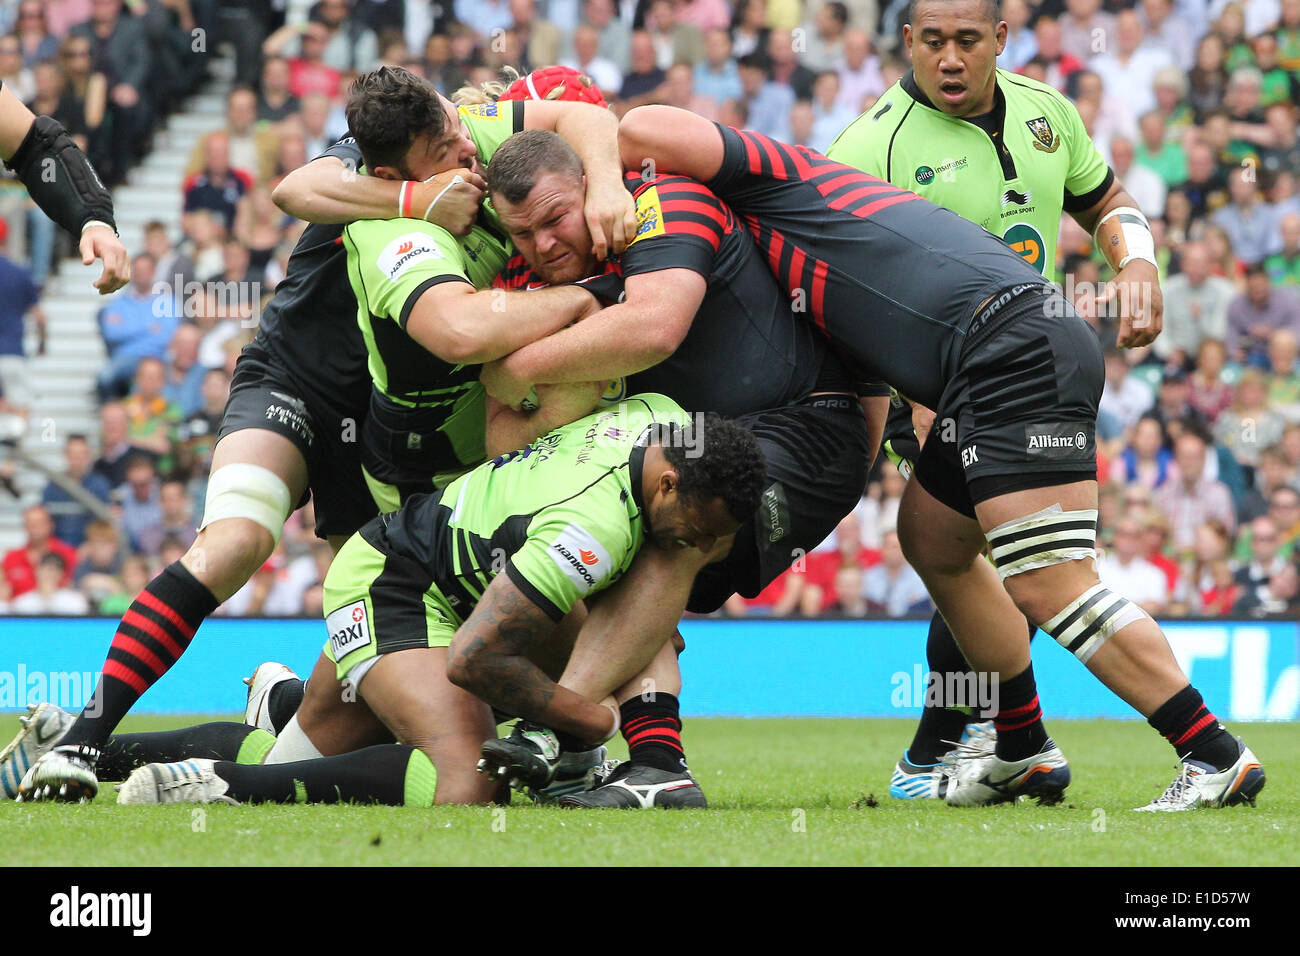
939,722
390,774
218,741
153,634
1193,731
283,701
653,731
1019,719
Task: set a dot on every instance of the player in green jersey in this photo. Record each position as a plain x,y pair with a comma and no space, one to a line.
1010,154
438,607
416,283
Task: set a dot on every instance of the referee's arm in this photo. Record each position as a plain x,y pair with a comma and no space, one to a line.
1136,286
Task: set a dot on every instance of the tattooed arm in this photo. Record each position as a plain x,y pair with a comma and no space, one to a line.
489,658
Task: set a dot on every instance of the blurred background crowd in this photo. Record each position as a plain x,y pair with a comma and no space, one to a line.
1193,103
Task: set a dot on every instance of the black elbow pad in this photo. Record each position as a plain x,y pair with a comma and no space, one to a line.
60,178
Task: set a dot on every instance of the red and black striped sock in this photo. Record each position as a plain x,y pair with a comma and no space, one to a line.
1193,731
1019,719
653,731
153,634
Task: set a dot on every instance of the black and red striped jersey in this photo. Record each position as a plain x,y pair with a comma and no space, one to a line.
890,278
746,350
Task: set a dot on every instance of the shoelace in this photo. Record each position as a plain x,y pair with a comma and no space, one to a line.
1181,784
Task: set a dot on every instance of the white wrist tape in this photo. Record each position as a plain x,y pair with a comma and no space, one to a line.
97,222
1138,241
455,181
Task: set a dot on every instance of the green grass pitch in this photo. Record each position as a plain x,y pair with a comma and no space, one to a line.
798,792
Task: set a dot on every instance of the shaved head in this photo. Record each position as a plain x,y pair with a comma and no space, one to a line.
989,8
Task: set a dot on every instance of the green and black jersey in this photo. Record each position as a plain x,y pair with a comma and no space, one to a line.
1012,171
426,415
563,517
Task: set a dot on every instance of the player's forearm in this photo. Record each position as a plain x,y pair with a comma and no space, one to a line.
617,341
327,191
483,326
1117,236
593,134
488,657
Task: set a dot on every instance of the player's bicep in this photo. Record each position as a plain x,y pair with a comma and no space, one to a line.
664,139
666,302
571,553
15,121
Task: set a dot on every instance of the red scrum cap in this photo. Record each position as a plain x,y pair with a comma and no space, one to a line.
555,83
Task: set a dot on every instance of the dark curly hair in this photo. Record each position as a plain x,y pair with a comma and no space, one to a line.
717,458
387,109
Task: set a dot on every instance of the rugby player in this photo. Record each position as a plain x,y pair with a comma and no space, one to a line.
1010,154
298,398
456,591
690,289
688,259
947,313
64,186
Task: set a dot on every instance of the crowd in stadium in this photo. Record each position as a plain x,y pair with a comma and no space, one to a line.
1194,105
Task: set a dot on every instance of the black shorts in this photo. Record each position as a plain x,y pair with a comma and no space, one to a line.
816,453
325,429
1021,412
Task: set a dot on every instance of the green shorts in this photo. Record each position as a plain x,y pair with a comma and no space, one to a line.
376,603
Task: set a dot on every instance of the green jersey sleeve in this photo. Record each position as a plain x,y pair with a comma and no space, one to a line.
573,549
491,124
1087,173
394,260
864,143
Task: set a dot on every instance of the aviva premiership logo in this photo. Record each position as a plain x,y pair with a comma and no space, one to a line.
480,109
1027,241
649,217
1044,138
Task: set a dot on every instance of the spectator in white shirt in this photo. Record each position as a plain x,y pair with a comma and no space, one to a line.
1022,45
1196,306
892,585
1127,573
859,71
1165,31
1130,70
587,59
1141,183
49,597
1124,396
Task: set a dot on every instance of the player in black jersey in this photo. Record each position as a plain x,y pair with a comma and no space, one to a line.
694,313
953,318
297,402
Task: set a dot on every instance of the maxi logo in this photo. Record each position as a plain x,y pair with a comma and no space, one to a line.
348,628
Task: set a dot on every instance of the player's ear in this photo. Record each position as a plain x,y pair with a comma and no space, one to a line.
668,481
1000,35
387,172
907,35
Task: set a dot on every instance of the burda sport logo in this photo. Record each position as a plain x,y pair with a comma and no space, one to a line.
405,251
